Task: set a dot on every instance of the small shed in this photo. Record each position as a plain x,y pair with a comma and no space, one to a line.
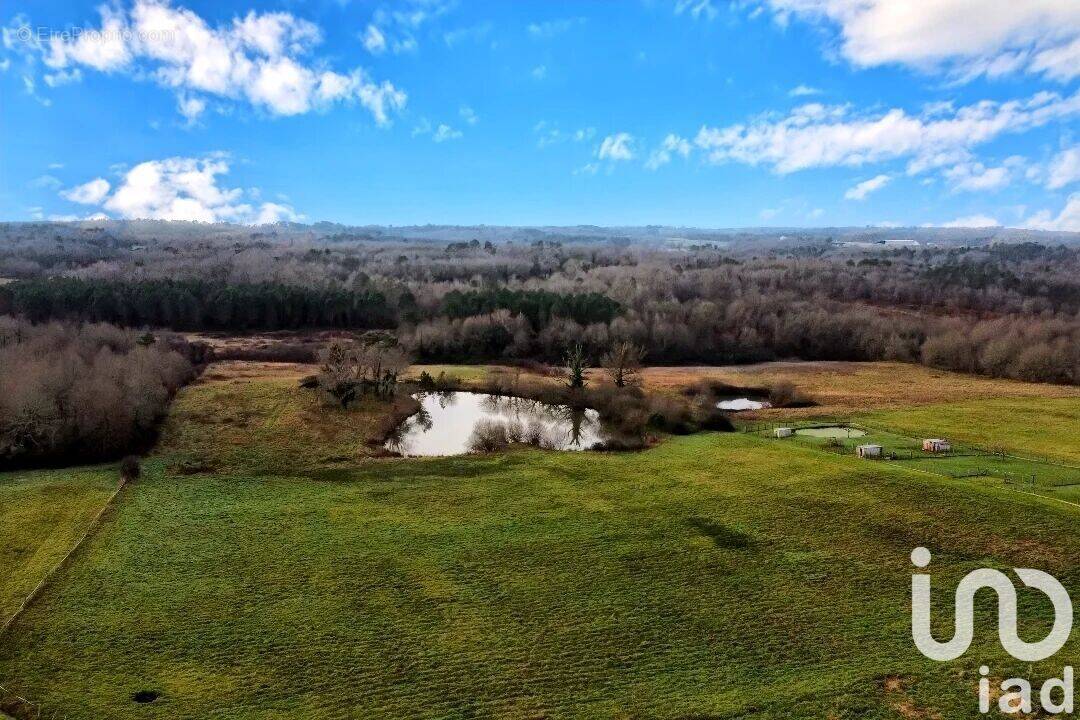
868,451
936,445
784,432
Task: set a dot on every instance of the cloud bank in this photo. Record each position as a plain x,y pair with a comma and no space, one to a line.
178,188
262,59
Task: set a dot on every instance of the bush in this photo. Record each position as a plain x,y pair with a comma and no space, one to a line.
716,420
784,394
130,469
488,436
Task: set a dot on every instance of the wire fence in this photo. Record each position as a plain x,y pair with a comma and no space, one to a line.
1044,471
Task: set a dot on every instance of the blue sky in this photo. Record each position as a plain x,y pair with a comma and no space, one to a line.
684,112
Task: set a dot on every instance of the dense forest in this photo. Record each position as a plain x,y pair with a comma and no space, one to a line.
82,392
974,304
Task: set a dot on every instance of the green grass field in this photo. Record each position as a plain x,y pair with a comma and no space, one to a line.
1043,427
714,576
42,514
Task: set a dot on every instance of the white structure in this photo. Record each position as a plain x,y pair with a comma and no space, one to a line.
936,445
784,432
868,451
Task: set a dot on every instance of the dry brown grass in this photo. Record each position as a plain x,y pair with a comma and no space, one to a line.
252,417
842,387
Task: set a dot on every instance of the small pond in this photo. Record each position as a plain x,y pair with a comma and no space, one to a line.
446,421
836,431
742,403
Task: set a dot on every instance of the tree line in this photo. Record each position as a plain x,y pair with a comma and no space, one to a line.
1009,310
196,305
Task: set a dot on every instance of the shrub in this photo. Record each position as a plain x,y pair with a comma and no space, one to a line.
488,436
130,469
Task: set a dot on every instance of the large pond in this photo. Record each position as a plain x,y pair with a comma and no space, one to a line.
447,424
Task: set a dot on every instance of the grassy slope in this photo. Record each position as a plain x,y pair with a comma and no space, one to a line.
717,575
254,417
1043,426
714,575
42,514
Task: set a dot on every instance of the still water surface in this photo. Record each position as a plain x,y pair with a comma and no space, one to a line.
444,425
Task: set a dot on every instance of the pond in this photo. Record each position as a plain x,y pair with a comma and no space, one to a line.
836,431
446,422
742,403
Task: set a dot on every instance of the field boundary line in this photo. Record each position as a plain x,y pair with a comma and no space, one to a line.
90,528
95,522
1003,486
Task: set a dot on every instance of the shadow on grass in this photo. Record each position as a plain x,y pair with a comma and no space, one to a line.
721,535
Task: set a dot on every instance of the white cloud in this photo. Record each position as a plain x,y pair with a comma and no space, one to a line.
803,91
1067,219
587,169
270,212
373,39
821,136
395,25
445,132
260,58
662,155
179,189
696,8
468,115
190,107
972,221
90,193
551,28
45,182
975,177
616,147
550,134
539,72
860,191
474,33
965,38
421,128
1064,169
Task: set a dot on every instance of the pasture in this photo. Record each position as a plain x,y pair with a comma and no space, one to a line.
291,575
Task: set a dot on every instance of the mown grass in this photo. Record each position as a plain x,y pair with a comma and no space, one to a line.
1041,427
42,514
713,576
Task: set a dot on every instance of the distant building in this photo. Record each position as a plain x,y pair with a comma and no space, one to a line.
868,451
784,432
936,445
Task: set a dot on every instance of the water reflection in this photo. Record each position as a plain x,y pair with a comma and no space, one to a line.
448,423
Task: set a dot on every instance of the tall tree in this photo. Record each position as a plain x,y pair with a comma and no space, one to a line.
575,363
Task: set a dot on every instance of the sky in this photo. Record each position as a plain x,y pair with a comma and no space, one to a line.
703,113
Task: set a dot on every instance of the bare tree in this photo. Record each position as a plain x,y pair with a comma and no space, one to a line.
623,362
